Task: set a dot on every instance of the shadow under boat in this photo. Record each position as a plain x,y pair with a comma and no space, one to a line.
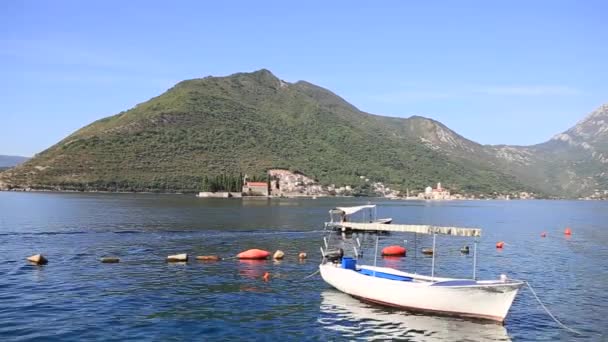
354,319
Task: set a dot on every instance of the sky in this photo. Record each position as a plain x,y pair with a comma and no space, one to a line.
496,72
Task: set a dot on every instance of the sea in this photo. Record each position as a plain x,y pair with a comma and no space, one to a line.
75,297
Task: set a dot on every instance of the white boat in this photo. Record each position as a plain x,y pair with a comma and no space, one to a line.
340,216
482,299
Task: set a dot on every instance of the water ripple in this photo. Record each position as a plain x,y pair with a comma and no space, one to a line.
75,297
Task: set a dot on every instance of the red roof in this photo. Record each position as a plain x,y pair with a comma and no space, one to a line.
257,184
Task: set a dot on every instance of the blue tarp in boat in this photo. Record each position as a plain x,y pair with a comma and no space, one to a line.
384,275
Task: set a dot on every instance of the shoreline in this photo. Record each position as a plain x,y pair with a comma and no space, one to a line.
293,197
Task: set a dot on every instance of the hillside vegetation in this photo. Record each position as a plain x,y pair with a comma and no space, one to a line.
249,122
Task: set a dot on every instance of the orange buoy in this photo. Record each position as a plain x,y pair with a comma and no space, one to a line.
266,276
256,254
543,234
397,251
567,231
500,244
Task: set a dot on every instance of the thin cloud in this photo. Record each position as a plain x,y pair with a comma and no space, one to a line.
529,90
413,96
66,54
93,77
53,61
463,92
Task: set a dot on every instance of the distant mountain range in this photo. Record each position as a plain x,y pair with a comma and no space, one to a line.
249,122
10,161
571,164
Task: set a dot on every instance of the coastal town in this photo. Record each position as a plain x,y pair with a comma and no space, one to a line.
283,183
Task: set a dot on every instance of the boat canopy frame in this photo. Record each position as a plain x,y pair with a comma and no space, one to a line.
414,228
349,211
475,242
475,233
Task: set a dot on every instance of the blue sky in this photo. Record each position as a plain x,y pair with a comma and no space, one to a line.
512,72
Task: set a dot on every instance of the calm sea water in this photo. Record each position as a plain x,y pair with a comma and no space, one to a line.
75,297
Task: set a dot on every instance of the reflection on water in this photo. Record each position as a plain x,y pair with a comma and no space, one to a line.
251,269
354,319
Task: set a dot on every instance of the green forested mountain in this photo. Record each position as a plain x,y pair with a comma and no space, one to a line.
248,122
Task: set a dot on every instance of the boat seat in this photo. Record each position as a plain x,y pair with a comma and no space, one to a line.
384,275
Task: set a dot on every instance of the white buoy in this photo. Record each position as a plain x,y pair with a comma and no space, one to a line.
278,255
38,259
177,257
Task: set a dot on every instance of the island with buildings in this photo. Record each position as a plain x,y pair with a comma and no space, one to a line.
281,183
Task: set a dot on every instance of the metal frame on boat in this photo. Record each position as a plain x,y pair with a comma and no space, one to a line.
340,218
482,299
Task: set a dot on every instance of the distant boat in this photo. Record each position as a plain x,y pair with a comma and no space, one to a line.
340,216
482,299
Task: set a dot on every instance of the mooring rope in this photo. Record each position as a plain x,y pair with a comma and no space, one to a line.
549,312
310,275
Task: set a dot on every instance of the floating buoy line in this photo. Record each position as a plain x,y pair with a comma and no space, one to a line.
259,254
250,254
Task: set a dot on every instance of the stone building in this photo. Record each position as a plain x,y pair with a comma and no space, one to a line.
255,189
439,193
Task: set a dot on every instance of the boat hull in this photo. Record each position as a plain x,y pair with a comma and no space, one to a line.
484,301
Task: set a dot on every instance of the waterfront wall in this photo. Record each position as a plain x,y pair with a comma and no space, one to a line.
222,194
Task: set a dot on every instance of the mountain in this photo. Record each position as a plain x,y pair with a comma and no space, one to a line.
10,161
573,163
591,134
249,122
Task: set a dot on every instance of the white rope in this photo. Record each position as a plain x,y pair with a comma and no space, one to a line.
549,312
310,275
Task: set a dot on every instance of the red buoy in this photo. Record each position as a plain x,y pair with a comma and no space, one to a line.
500,244
394,251
567,231
256,254
543,234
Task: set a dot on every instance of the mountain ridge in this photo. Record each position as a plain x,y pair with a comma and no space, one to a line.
249,122
7,161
